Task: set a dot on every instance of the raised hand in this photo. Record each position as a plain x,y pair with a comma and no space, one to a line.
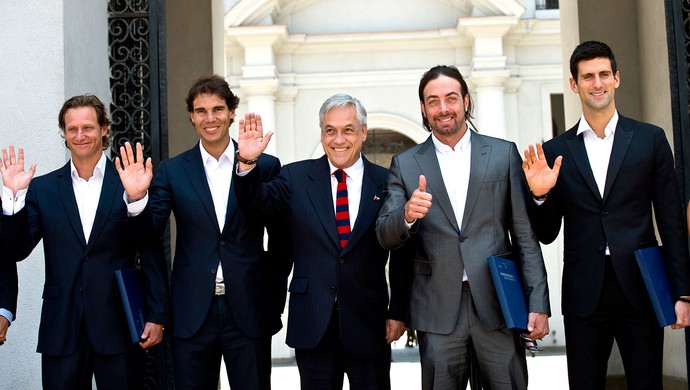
135,174
540,178
251,140
12,168
419,203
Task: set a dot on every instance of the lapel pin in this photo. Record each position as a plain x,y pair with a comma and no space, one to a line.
376,198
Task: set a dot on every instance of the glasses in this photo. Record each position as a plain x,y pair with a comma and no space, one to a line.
529,344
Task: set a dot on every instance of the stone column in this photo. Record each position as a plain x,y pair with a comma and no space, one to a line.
259,83
488,71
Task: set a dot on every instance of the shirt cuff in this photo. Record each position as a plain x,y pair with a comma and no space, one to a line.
11,203
245,173
137,207
7,314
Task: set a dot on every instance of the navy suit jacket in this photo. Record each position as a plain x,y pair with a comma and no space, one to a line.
255,282
80,287
322,270
640,177
9,286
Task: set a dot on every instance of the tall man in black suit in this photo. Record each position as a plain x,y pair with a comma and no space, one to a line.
9,289
78,212
339,317
609,173
227,292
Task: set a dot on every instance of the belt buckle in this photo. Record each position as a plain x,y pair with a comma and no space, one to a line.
220,288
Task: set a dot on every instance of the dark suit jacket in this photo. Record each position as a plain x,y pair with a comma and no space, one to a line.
495,221
80,287
255,282
640,175
9,286
322,270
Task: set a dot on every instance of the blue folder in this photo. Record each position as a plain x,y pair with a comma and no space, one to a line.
653,268
511,294
129,281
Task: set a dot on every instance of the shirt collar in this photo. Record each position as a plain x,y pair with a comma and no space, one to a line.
99,169
461,146
229,153
356,170
610,128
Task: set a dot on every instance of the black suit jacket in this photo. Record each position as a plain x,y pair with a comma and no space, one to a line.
322,270
255,282
640,177
9,286
80,287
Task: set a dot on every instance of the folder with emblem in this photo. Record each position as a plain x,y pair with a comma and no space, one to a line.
129,282
511,294
653,268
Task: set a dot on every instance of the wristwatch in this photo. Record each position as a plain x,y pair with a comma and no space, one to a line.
244,160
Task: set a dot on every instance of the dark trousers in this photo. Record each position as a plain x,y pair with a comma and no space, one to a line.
589,341
323,367
76,371
197,360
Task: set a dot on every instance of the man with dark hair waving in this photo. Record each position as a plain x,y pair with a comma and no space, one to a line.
605,179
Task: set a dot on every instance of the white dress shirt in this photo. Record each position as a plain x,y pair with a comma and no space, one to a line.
599,151
219,178
455,169
87,194
355,175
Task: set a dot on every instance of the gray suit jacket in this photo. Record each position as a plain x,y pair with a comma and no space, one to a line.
495,222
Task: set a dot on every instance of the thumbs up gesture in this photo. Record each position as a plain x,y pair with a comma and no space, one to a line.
419,203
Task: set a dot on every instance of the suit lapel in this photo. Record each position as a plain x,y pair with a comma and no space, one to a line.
369,205
621,142
321,196
194,169
111,180
428,165
576,146
479,161
69,202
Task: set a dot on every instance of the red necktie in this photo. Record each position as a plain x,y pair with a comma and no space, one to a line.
342,211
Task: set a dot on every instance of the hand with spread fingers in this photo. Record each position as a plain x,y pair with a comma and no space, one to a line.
135,172
251,141
14,176
540,177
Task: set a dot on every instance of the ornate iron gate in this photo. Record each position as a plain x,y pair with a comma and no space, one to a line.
678,33
136,41
137,74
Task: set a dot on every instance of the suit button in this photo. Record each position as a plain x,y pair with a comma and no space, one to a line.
222,243
463,238
332,289
341,260
604,213
213,271
86,258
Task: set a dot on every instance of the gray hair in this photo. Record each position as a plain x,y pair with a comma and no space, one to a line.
339,101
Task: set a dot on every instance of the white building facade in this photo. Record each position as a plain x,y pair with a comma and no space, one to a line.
285,58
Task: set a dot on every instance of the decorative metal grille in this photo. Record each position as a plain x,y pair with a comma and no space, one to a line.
135,29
